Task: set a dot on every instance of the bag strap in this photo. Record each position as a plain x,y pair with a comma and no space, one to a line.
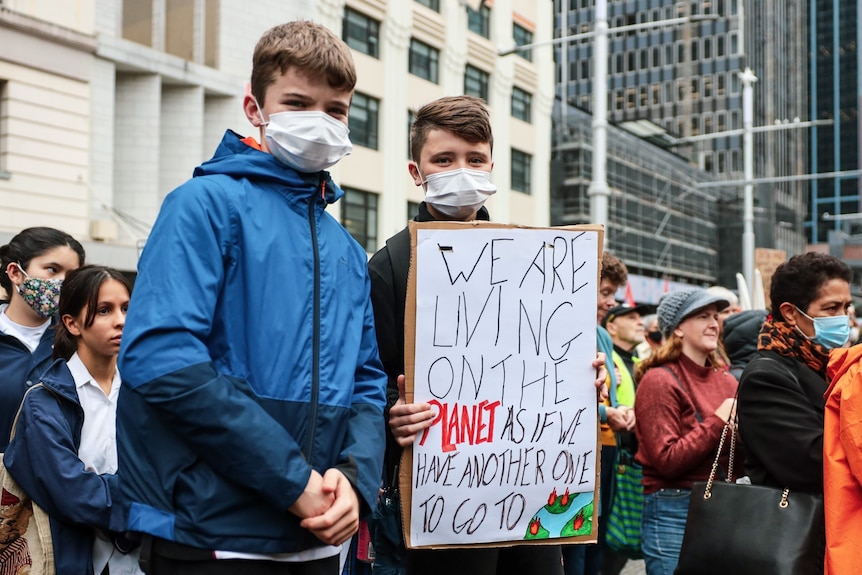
729,424
682,387
20,407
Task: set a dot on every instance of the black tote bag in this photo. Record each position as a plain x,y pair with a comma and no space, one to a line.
743,529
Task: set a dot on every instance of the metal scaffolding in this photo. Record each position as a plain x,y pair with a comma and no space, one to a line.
659,223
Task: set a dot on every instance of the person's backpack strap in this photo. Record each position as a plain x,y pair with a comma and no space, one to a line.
398,247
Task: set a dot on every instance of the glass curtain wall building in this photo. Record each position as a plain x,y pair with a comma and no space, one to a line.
660,224
685,80
835,94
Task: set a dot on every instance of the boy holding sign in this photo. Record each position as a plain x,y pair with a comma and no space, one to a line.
451,144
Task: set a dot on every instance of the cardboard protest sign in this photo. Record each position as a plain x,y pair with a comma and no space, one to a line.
500,336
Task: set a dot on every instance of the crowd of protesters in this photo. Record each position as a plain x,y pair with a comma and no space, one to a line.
261,411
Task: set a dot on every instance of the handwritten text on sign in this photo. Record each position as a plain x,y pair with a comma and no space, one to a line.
505,339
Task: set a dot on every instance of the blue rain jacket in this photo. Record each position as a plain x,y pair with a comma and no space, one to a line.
249,358
43,459
19,369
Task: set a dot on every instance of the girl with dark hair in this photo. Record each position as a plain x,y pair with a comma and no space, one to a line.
32,268
64,454
781,391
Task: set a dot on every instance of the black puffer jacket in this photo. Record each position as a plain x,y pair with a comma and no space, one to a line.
740,338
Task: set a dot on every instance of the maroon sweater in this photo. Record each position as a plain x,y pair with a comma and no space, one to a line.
674,448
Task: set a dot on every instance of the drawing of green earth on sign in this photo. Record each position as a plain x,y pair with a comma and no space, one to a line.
564,515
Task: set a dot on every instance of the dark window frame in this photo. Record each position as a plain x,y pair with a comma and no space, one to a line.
476,82
368,41
427,65
522,37
359,216
522,104
367,133
521,171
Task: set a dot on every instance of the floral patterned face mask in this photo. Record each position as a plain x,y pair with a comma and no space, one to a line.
42,296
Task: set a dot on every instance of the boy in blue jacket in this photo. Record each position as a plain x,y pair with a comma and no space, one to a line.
251,427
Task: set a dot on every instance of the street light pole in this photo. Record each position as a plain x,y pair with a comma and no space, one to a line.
748,79
599,192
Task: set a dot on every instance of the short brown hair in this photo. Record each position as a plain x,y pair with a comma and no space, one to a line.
465,116
614,270
307,46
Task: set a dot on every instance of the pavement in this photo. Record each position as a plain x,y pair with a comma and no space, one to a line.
634,568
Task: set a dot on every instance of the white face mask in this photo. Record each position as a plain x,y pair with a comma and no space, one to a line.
306,141
458,193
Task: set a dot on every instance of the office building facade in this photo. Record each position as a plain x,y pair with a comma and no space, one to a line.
106,106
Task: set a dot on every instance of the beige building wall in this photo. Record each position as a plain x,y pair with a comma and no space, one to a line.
107,105
45,93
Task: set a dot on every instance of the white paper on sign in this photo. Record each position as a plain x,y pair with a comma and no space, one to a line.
505,339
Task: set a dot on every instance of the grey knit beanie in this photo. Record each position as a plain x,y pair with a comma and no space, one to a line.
676,306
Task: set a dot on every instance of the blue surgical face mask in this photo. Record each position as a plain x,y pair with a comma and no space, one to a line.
831,332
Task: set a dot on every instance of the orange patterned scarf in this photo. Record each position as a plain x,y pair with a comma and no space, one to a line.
789,342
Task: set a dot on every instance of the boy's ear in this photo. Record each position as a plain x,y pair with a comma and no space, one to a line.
71,324
414,173
249,106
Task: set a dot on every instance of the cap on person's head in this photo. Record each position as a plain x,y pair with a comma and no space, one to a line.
676,306
622,310
725,293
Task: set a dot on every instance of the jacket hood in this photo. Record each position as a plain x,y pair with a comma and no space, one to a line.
740,334
840,361
238,159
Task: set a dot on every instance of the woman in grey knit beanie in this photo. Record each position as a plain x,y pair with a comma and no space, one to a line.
684,397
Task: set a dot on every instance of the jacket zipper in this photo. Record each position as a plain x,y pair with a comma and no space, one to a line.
315,353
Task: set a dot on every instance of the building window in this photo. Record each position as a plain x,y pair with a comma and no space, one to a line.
734,84
521,171
656,94
433,4
522,104
361,32
720,81
424,60
707,86
630,98
720,50
479,21
4,116
180,28
138,22
362,120
523,37
475,82
359,217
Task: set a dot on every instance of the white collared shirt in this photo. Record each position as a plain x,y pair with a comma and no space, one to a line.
98,448
98,452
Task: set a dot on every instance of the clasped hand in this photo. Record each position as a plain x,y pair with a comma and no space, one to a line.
329,507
